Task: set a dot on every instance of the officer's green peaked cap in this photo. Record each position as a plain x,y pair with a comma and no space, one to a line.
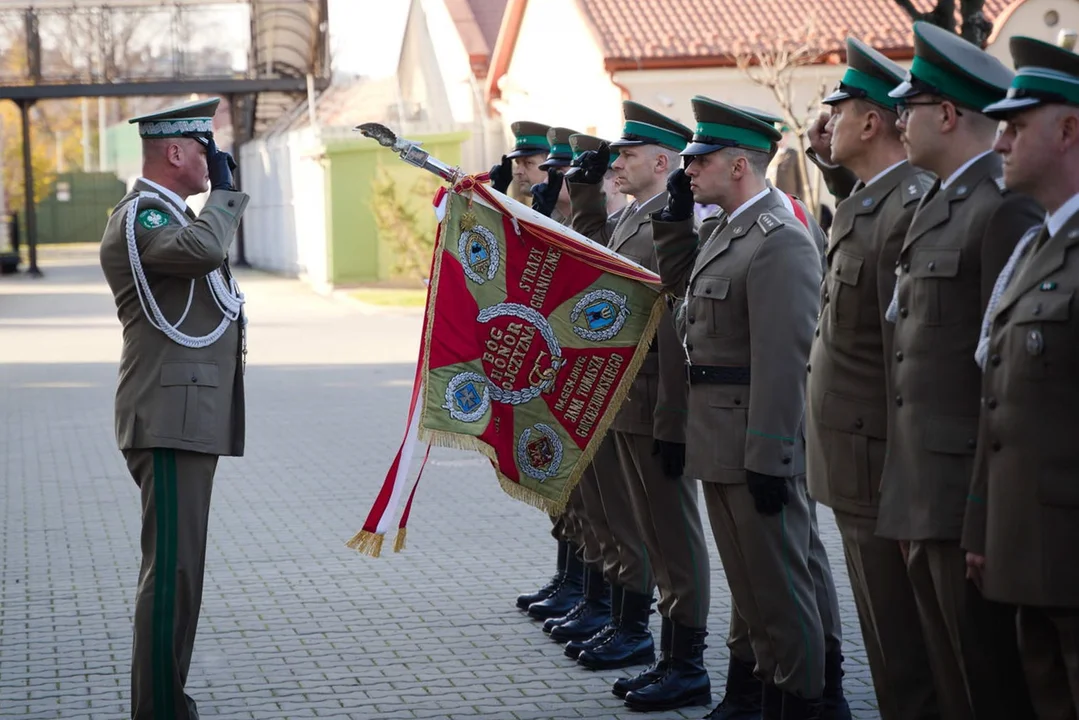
947,65
560,154
581,143
191,119
529,138
1045,74
720,125
645,126
869,76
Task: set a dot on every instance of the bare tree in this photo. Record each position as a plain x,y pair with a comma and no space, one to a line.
974,26
774,68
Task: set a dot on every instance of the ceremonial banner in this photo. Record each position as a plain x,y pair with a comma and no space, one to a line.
532,337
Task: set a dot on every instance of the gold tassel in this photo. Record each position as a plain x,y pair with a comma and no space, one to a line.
399,541
367,543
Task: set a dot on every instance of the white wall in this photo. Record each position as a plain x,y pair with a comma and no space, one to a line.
556,74
1030,18
285,222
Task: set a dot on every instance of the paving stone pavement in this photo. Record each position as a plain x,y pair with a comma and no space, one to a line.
294,624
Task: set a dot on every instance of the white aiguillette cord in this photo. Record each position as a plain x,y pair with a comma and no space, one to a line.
227,297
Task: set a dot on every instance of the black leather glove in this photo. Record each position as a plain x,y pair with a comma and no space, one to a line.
593,165
672,456
501,174
545,194
220,166
679,198
770,493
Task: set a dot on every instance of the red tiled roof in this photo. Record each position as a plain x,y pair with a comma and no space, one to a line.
477,22
680,33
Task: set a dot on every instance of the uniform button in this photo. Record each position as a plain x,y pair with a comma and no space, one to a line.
902,312
692,320
906,267
786,461
972,443
1038,309
232,203
859,424
932,266
827,297
899,355
194,379
991,403
689,347
809,367
995,360
708,291
817,332
996,446
899,401
738,401
838,269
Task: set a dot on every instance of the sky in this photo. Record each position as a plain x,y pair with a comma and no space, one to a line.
366,35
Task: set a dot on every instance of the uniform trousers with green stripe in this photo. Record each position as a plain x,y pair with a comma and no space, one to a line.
780,583
176,486
667,522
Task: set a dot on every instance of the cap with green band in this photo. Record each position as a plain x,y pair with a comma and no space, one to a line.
645,126
953,68
870,76
1046,74
720,125
530,138
192,119
560,154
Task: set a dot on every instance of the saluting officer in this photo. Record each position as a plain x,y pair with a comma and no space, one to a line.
961,236
180,393
847,403
1022,520
649,431
519,169
751,300
551,197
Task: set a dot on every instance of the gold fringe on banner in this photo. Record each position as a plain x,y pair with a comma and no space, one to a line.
367,543
399,541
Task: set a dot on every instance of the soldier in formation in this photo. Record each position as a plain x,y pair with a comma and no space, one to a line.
909,382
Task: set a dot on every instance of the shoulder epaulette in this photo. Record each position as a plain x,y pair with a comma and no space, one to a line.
769,223
915,187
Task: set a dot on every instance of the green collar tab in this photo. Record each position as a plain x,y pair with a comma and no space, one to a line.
667,138
740,136
953,86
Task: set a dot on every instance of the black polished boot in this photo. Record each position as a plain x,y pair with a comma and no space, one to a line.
566,595
574,647
834,705
631,643
771,702
626,685
551,623
742,697
594,616
523,601
685,681
796,708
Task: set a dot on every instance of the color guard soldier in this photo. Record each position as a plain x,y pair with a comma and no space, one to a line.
180,395
649,434
1022,520
847,406
751,299
960,238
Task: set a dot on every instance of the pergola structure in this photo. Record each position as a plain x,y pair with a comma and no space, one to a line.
262,56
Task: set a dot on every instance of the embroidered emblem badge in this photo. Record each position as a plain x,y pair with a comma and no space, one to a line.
545,365
539,452
477,249
1035,343
152,219
603,313
467,397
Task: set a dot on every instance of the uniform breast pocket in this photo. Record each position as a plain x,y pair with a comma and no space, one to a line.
1043,341
711,305
843,294
187,401
934,271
